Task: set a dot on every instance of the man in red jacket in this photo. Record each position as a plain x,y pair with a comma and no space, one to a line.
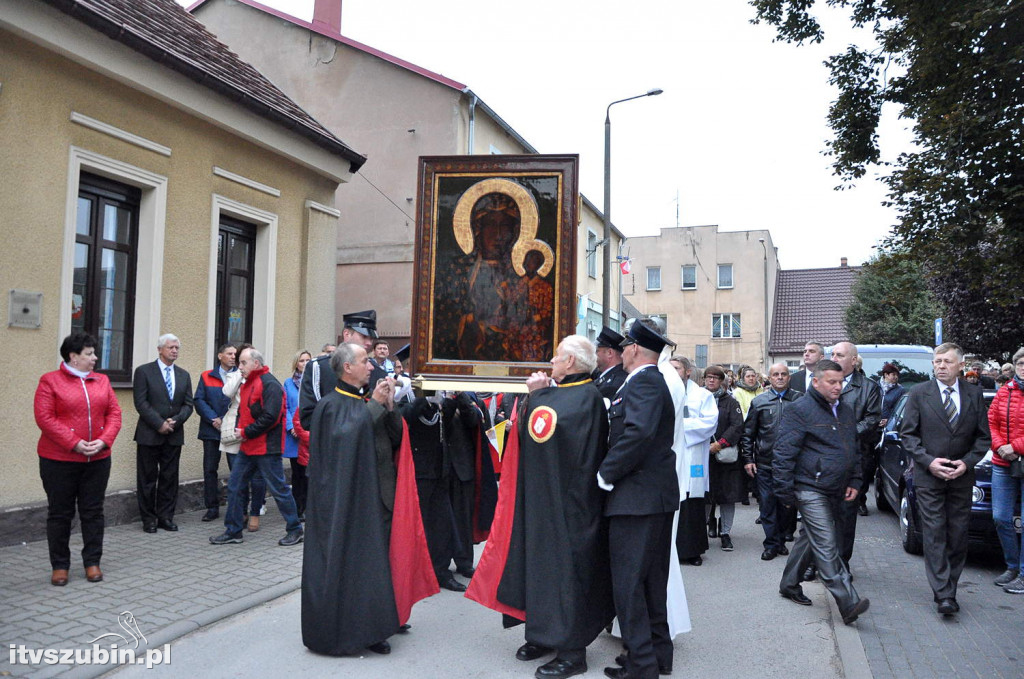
261,427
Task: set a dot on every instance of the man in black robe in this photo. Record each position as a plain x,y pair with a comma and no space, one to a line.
348,599
557,569
609,375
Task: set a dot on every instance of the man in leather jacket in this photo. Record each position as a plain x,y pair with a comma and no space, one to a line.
756,449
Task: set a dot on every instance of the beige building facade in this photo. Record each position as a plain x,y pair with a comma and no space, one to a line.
79,109
395,112
714,288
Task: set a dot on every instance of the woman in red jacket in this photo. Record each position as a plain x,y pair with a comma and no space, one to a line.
1006,422
79,417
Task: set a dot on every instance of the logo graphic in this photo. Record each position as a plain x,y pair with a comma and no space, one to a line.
127,622
542,424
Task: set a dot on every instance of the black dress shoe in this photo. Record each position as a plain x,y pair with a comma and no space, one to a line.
768,554
858,609
713,529
788,537
862,510
466,572
783,550
405,628
450,583
809,574
560,668
758,521
530,651
149,527
620,660
211,514
167,525
382,647
947,607
796,596
695,561
616,673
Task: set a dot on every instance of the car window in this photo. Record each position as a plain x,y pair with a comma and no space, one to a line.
897,414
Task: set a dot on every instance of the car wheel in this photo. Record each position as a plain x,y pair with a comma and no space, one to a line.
880,502
908,527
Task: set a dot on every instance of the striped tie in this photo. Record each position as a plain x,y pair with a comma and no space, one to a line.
950,407
167,381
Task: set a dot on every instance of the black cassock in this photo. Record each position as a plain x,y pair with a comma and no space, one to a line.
348,600
557,568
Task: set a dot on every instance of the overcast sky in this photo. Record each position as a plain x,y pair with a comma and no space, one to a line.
738,133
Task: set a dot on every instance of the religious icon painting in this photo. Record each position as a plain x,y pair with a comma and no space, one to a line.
495,263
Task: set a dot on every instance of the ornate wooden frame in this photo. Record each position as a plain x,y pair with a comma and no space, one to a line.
449,263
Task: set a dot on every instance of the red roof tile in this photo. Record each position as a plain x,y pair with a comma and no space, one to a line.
165,32
809,306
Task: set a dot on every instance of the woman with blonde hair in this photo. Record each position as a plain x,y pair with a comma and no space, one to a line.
293,443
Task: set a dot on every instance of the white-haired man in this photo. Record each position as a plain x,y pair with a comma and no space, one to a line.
557,570
163,399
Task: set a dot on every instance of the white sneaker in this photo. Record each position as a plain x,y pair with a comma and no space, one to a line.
263,510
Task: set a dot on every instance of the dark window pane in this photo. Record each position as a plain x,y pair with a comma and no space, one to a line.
116,224
84,217
239,254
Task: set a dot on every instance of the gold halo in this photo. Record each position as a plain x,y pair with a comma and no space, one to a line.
528,219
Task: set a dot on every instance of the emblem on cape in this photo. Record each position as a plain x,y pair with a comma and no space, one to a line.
542,424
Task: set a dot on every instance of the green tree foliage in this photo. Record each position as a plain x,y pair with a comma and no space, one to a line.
956,68
890,305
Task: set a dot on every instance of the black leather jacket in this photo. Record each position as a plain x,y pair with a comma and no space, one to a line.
864,397
762,426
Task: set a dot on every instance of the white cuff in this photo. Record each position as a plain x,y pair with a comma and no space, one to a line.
602,484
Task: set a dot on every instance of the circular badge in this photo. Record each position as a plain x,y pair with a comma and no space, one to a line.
542,424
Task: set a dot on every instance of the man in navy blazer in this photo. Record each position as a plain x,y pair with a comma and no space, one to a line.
163,399
640,473
945,430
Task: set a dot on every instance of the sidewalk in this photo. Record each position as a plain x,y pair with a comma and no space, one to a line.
177,583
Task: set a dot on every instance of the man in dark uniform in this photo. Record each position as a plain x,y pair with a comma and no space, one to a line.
640,473
557,569
609,375
318,379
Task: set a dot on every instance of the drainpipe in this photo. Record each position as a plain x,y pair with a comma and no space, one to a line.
472,123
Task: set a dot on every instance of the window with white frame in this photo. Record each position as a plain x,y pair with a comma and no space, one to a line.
654,278
591,254
725,326
725,275
689,277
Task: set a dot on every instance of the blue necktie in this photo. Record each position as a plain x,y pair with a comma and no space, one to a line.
167,381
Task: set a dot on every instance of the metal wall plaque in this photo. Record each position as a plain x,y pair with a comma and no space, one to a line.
25,309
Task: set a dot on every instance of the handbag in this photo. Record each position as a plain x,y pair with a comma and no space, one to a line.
1017,468
727,455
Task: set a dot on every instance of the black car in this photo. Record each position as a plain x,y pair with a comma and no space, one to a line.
894,489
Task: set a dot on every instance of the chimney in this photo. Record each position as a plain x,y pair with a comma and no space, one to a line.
842,262
327,15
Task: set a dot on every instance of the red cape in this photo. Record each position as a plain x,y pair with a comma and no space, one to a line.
412,574
483,588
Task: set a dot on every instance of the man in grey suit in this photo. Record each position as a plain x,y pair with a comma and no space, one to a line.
945,430
163,398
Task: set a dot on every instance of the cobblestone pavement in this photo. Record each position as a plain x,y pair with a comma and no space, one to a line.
903,635
170,582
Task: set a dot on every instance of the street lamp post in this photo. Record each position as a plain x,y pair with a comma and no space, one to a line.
764,354
606,292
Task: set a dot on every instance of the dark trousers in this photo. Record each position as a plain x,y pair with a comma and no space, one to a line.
300,484
211,464
775,516
246,467
945,515
157,481
68,484
436,510
462,496
868,466
255,493
847,521
640,548
819,541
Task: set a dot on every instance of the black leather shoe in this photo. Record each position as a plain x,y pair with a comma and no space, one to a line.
858,609
947,607
695,561
768,555
382,647
466,572
797,597
758,521
149,527
783,550
616,673
450,583
530,651
211,514
560,668
167,525
809,574
620,660
788,537
713,529
862,510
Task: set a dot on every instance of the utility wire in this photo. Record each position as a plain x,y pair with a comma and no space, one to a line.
397,206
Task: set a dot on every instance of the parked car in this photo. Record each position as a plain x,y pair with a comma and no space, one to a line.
894,489
914,361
